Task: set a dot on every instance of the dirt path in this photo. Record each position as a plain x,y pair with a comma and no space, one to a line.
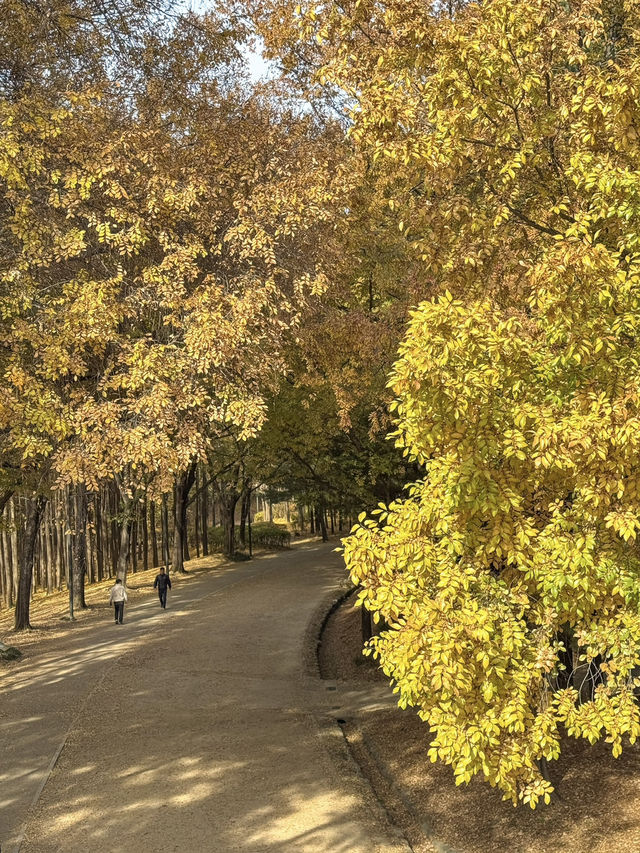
192,729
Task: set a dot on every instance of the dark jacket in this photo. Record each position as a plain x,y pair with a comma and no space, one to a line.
162,582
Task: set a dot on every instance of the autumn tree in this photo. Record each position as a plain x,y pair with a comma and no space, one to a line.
509,574
158,241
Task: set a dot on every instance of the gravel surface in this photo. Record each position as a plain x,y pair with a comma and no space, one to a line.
598,810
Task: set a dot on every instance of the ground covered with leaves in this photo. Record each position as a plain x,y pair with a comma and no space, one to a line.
598,803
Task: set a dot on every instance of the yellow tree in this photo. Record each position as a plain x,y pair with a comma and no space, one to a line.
152,259
509,576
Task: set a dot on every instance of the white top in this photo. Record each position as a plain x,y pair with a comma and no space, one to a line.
118,593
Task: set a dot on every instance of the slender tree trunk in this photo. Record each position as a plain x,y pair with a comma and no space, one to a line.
80,547
196,508
6,571
181,492
154,534
134,541
115,537
125,537
58,536
228,510
244,512
92,554
47,553
367,624
35,509
5,497
186,553
6,558
164,522
68,503
15,561
321,523
145,535
97,503
204,517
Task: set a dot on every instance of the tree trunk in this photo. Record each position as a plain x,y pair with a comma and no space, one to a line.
15,559
58,528
154,534
145,535
164,523
228,498
125,537
35,509
47,551
367,624
123,552
228,510
134,542
6,559
184,482
321,523
196,523
80,547
204,517
115,537
244,512
97,503
5,497
68,541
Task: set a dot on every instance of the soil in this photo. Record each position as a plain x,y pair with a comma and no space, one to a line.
598,807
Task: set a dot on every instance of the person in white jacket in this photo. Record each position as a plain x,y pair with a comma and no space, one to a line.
117,597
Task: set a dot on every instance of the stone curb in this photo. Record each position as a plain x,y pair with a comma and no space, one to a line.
318,622
330,729
313,640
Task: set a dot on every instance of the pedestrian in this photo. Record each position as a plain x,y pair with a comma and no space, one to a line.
117,597
162,583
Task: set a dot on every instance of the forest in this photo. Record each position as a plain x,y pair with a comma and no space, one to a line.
395,282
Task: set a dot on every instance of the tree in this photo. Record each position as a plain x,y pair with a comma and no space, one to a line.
509,575
161,233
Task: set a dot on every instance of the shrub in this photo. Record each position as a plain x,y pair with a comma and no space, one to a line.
264,534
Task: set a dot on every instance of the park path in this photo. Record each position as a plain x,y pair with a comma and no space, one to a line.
193,729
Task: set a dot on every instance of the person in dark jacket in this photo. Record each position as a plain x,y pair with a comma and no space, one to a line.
162,583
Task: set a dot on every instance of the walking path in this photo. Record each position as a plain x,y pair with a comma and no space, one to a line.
192,729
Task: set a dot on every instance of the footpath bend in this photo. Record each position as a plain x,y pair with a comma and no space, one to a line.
195,729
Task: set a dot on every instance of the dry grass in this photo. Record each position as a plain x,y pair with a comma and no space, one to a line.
50,613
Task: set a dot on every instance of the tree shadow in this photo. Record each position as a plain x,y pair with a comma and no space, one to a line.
598,807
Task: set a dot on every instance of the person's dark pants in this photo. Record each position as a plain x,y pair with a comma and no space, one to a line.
162,595
119,606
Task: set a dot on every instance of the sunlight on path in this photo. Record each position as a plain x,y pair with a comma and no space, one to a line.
192,729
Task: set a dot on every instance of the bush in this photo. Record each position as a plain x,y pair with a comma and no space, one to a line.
264,534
